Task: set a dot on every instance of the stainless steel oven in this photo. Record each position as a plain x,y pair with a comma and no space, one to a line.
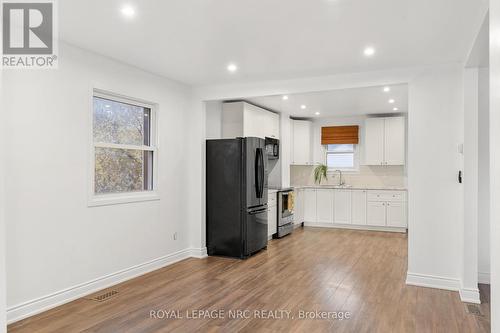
285,212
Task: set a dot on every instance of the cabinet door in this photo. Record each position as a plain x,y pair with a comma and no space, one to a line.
272,220
342,207
324,205
274,121
374,141
310,205
298,214
395,141
301,142
396,214
375,213
358,210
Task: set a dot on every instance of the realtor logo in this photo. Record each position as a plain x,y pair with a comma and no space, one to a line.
28,39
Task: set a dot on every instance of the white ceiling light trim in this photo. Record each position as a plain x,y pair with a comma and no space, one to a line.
128,11
369,51
232,68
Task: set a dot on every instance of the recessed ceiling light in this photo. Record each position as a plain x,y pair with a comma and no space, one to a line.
317,113
107,106
369,51
303,107
395,109
391,101
128,11
232,68
387,89
285,97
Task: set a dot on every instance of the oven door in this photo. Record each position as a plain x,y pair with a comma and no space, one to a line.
286,204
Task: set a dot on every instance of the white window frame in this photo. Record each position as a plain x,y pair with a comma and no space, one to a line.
126,197
355,167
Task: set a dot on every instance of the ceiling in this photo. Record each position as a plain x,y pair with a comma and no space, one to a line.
338,103
193,41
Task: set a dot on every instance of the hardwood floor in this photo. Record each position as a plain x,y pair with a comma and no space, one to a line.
313,269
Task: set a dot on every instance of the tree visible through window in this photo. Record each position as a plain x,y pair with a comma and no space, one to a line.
123,147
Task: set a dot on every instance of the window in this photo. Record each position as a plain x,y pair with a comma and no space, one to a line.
341,156
124,150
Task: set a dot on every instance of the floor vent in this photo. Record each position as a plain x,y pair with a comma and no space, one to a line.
104,296
474,309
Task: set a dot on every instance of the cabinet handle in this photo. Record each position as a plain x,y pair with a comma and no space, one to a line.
388,204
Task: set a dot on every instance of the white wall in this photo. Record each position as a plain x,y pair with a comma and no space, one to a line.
435,198
3,292
54,240
483,177
213,124
495,163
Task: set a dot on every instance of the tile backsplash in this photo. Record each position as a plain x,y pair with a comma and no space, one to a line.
386,176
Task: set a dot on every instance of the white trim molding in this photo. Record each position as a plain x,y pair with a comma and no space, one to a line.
41,304
353,227
439,282
199,253
432,281
470,295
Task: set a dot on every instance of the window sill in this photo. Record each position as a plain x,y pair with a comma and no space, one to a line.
344,171
123,198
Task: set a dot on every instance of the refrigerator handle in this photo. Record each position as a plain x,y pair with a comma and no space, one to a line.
259,178
262,172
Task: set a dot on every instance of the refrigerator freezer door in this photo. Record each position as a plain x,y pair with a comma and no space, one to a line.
256,230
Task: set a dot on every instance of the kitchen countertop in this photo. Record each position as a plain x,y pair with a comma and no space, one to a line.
354,187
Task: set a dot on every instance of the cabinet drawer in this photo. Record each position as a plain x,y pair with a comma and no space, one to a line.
397,196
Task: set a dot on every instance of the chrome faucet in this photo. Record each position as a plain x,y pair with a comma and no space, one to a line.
341,181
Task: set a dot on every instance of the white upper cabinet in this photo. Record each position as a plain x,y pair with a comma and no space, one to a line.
374,141
301,142
394,141
385,141
240,119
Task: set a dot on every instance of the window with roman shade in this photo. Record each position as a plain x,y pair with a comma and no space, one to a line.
340,143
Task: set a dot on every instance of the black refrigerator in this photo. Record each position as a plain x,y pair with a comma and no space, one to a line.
236,196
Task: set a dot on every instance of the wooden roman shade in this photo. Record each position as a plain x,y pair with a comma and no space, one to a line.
339,135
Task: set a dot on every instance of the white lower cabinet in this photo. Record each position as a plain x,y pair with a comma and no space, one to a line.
342,207
375,213
358,207
272,217
396,214
309,205
324,205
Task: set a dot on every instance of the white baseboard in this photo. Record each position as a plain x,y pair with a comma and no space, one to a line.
38,305
431,281
483,278
353,227
438,282
199,253
470,295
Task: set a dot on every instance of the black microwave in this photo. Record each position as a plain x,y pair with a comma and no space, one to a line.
272,148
